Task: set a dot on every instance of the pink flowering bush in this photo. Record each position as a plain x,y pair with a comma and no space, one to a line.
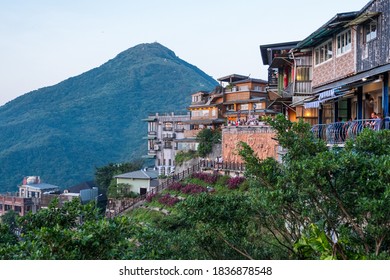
193,189
206,177
175,186
234,182
150,197
168,200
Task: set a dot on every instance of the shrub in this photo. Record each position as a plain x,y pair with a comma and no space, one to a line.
193,189
206,177
183,156
168,200
150,197
234,182
175,186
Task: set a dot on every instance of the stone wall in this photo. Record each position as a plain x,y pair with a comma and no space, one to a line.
259,138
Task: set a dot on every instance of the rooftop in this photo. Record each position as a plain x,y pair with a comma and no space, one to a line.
139,174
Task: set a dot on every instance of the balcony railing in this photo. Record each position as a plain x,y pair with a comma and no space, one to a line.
339,132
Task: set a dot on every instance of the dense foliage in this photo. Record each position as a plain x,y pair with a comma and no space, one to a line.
324,203
63,132
104,175
206,138
317,204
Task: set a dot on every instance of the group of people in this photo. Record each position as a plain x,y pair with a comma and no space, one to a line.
375,122
338,132
244,122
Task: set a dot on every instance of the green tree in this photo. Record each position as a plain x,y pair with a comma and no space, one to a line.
345,190
206,138
72,232
104,175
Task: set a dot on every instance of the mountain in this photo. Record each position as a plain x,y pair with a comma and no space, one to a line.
63,132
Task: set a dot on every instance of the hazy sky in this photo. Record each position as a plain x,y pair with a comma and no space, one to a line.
44,42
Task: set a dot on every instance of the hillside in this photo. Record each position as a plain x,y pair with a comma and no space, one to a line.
63,132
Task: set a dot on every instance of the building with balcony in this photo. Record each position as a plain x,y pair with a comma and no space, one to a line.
348,62
166,136
290,77
32,195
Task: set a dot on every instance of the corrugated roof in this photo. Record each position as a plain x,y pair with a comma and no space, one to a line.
233,78
264,49
139,174
334,25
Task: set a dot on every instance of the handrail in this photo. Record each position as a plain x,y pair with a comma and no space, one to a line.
339,132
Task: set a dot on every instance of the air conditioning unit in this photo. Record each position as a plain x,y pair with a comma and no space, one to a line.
156,147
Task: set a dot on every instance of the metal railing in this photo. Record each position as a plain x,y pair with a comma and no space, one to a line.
339,132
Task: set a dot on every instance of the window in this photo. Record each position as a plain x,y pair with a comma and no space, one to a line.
344,42
323,52
244,106
370,30
230,107
303,74
259,106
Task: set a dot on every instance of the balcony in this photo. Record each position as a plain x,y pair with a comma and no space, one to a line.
337,133
169,137
179,129
168,146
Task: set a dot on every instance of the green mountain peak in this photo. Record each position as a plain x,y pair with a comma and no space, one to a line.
63,132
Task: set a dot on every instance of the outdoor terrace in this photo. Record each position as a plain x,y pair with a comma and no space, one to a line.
337,133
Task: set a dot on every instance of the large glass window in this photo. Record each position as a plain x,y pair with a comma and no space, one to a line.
344,42
323,52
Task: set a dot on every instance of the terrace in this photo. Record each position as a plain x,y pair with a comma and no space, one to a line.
337,133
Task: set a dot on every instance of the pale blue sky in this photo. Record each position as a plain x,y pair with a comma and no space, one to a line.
44,42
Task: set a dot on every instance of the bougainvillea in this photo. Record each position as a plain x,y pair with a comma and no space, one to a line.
175,186
234,182
206,177
150,197
168,200
193,189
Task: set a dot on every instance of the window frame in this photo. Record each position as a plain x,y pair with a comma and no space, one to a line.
370,36
344,42
323,51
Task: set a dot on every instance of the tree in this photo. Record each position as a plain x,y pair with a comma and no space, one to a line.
104,175
72,232
206,138
343,190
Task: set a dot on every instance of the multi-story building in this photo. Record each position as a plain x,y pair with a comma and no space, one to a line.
351,80
349,64
166,136
238,98
289,79
244,98
32,195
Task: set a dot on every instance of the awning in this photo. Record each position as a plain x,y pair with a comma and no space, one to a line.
327,94
312,105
